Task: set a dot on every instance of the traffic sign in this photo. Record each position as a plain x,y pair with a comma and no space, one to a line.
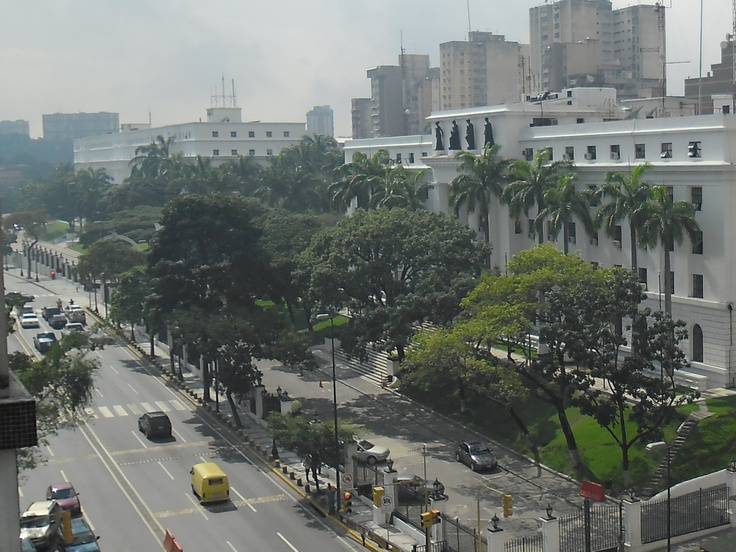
347,478
386,503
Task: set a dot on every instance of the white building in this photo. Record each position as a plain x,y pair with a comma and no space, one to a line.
589,127
223,137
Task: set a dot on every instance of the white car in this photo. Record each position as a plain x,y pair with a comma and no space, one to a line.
29,320
370,453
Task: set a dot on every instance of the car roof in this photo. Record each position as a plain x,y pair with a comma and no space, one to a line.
40,508
63,485
157,414
29,314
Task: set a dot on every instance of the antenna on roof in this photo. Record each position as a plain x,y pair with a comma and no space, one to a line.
222,99
469,27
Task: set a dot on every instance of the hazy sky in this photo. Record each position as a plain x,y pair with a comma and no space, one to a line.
168,57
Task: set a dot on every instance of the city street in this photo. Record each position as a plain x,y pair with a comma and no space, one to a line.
132,488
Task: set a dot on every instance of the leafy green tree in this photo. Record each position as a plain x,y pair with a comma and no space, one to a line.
393,269
666,223
129,296
33,224
313,442
242,175
106,259
402,188
564,204
530,181
481,177
629,195
138,224
87,188
359,179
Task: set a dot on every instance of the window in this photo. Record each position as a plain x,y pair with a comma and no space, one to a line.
640,151
698,243
233,134
251,134
286,134
594,238
590,153
693,149
593,199
615,152
424,154
569,153
411,157
216,152
697,285
269,134
617,236
643,277
672,282
269,152
531,229
528,154
571,233
251,152
696,196
215,134
697,343
550,153
398,159
579,120
233,152
550,236
517,226
666,152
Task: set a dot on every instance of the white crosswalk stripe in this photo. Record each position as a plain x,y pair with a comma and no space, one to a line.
147,407
105,412
177,405
119,410
134,409
163,406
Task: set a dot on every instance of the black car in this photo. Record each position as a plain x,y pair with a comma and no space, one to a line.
19,297
413,487
155,424
477,456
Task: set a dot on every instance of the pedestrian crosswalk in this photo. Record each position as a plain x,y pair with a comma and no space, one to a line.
136,409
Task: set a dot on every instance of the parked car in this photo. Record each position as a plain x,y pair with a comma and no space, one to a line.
26,545
41,523
29,320
153,424
57,321
370,453
414,487
66,496
72,327
83,538
476,455
43,341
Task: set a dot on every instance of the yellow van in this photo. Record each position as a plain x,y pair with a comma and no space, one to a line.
209,482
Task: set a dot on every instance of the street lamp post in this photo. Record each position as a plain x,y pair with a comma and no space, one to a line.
654,447
331,318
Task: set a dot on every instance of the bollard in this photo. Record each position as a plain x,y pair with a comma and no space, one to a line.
299,482
292,475
285,469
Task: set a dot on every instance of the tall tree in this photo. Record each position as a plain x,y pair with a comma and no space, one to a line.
402,188
359,179
481,177
88,187
530,181
565,204
629,195
666,223
393,269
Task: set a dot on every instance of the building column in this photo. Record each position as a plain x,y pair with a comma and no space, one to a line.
632,524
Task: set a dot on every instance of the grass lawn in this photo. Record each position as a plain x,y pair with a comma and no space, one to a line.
56,229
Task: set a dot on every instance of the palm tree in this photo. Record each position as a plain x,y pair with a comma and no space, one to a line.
359,179
532,180
563,205
88,186
403,188
629,197
482,176
665,222
154,159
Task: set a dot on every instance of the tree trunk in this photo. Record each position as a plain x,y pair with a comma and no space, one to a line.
233,408
528,436
206,378
572,445
565,239
634,259
152,343
667,282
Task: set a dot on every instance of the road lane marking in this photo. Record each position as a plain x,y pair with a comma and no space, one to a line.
179,436
119,410
114,369
51,452
134,409
164,468
133,388
177,405
100,393
135,434
105,412
147,407
221,507
287,542
197,506
231,546
63,476
243,499
163,406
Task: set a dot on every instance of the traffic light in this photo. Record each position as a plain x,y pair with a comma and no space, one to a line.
426,519
347,505
693,149
435,516
508,507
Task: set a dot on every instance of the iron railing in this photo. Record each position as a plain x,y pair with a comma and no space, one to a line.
600,526
532,543
460,538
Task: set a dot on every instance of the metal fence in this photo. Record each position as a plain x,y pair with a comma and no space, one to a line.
695,511
365,474
597,528
533,543
460,538
433,547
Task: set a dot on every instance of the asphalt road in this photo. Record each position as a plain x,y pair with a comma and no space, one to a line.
132,488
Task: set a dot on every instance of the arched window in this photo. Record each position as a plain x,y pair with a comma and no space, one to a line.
697,343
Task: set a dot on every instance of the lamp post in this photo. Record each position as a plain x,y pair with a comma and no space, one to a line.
655,447
331,318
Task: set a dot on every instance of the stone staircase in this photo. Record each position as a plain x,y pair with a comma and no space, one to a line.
652,487
372,370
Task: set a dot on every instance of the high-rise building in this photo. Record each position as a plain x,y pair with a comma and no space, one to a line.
402,97
360,112
321,120
715,91
587,43
15,127
70,126
484,70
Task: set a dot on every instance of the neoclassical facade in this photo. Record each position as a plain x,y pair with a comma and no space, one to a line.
693,155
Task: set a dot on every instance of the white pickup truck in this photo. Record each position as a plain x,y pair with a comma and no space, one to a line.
75,313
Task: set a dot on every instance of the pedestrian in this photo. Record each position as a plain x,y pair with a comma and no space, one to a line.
331,495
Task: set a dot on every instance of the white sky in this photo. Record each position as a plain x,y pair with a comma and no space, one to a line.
168,57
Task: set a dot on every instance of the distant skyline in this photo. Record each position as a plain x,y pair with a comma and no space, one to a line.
168,57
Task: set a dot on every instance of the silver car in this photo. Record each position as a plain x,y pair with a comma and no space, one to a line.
476,455
370,453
